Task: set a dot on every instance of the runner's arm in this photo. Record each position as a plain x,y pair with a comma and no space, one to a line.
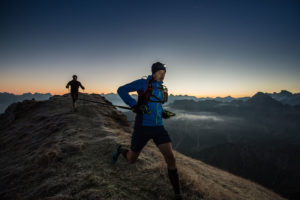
124,90
81,86
67,86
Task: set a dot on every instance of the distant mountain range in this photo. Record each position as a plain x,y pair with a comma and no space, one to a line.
259,141
284,97
8,98
260,102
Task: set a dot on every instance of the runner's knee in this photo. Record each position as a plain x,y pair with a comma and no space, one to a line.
132,157
170,159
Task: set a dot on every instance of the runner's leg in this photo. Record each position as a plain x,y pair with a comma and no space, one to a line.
139,139
166,150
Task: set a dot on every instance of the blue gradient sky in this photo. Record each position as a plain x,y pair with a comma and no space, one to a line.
211,48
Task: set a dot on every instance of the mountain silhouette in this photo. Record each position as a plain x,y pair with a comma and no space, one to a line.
286,97
8,98
263,100
257,139
47,151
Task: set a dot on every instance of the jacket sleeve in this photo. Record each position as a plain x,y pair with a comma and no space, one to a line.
82,87
130,87
67,86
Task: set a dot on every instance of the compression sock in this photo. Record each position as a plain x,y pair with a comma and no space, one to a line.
173,176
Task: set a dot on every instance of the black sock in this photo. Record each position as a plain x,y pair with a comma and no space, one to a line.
173,176
124,151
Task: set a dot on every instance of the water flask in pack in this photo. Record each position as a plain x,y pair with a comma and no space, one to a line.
165,92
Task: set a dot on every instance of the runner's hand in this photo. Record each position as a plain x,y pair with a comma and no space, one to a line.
166,114
136,109
140,109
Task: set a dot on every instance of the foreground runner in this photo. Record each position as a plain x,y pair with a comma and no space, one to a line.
148,122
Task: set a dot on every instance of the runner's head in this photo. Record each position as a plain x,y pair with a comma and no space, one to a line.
74,77
158,71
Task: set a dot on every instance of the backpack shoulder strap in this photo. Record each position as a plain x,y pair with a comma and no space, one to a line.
144,96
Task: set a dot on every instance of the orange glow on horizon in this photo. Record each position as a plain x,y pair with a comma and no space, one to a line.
64,91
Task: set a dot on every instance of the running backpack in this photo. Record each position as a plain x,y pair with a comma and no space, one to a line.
144,96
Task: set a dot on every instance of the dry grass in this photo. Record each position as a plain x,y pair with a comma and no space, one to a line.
54,154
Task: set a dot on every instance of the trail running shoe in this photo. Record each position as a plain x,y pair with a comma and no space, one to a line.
115,154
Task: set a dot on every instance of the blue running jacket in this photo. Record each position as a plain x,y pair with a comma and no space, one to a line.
154,118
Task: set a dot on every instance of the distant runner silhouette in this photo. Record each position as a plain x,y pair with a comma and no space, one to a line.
74,90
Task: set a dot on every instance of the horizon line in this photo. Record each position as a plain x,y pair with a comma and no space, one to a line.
196,96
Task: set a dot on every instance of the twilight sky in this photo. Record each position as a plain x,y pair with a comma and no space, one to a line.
211,48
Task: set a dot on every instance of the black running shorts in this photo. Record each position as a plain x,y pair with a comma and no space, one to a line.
142,134
74,96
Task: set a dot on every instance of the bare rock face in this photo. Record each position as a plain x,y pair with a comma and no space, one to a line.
48,151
